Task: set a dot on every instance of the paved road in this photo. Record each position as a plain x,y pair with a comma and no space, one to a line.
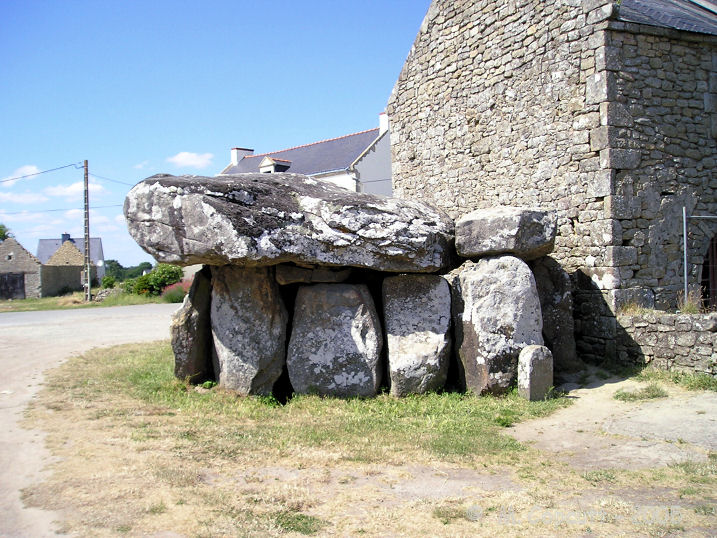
30,343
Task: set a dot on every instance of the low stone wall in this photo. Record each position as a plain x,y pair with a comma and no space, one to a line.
681,342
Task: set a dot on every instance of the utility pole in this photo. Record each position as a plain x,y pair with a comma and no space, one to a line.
88,275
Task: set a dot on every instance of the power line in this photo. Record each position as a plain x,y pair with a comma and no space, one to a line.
58,210
76,165
112,180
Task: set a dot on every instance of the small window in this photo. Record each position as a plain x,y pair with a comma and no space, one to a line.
10,256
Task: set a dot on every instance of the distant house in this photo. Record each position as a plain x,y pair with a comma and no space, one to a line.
47,249
357,162
20,272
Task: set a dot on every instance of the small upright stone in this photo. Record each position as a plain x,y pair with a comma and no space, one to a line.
535,372
523,232
191,331
417,318
249,328
336,341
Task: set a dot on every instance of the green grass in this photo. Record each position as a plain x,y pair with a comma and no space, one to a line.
685,380
651,391
298,522
449,426
74,300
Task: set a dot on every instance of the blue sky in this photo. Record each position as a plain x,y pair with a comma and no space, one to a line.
142,87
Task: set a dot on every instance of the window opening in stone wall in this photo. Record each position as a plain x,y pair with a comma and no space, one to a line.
709,276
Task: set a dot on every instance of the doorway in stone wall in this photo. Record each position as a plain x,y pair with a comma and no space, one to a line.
709,276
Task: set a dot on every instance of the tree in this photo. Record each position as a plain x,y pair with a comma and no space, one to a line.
4,232
114,269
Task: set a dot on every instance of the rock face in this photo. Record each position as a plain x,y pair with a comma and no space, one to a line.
496,314
293,274
535,372
248,327
417,318
266,219
191,331
525,233
336,341
556,303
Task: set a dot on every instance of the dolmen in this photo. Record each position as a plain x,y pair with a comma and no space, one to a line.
346,293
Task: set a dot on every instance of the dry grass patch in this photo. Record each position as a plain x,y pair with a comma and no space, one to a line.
140,452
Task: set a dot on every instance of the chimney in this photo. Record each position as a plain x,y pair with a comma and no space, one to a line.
65,237
382,123
239,153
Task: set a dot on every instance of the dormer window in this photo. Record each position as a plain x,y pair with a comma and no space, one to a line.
271,165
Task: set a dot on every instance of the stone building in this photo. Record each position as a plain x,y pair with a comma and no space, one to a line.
20,272
605,111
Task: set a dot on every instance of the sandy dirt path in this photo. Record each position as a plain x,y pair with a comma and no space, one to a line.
31,343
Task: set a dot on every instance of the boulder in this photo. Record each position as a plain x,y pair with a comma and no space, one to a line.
191,333
417,320
556,304
293,274
267,219
248,327
535,372
336,341
496,314
523,232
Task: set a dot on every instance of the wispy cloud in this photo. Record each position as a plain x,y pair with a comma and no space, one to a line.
74,191
22,171
187,159
141,165
22,198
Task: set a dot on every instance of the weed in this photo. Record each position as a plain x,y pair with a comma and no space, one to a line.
298,522
600,475
686,380
633,309
691,304
208,384
158,508
448,514
705,510
651,391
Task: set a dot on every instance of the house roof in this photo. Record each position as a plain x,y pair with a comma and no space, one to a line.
47,247
325,156
12,243
689,15
67,254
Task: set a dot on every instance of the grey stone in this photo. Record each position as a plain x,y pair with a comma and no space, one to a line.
556,303
496,313
535,372
524,232
601,184
293,274
336,341
621,159
249,328
266,219
191,331
616,115
417,319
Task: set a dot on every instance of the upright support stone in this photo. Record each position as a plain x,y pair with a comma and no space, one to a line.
535,372
417,317
249,328
191,331
336,341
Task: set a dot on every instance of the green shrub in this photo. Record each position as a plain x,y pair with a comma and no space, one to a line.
155,281
108,281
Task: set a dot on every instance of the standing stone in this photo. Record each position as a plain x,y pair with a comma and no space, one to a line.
249,328
556,304
417,317
535,372
336,341
191,331
525,233
496,314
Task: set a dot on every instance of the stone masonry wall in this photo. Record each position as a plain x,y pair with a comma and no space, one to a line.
678,342
15,259
490,109
659,135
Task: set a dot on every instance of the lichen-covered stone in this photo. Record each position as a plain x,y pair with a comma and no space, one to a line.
496,314
293,274
248,321
191,331
535,372
336,341
266,219
523,232
417,319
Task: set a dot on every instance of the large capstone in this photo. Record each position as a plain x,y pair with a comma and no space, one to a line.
336,341
266,219
249,322
496,314
191,331
523,232
417,318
